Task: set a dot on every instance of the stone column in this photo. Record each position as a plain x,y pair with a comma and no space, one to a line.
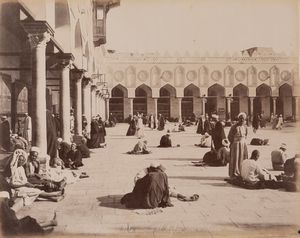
204,100
98,93
251,99
77,77
64,96
93,100
229,100
297,116
86,106
131,105
155,107
39,33
179,110
106,108
274,105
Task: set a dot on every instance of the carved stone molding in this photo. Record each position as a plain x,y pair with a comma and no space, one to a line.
191,75
263,75
240,75
216,75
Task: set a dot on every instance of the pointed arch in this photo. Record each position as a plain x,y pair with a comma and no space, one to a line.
228,76
216,100
274,76
191,90
240,100
285,101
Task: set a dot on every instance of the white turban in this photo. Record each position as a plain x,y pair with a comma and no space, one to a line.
242,114
35,149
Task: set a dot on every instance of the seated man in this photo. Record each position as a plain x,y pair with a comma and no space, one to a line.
205,141
292,174
217,158
85,152
278,157
140,148
181,127
253,176
172,190
74,158
18,142
63,149
165,141
258,141
151,191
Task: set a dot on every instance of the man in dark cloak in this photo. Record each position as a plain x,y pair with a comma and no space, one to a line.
200,129
94,142
165,141
218,135
51,137
132,126
151,191
101,131
207,125
5,133
161,123
63,149
256,122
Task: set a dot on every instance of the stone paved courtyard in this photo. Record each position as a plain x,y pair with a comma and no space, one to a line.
92,205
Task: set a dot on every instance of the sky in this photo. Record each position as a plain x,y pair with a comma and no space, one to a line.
178,26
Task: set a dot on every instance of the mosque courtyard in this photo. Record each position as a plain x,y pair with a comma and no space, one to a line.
92,205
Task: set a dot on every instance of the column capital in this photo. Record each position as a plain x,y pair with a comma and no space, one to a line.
86,81
77,74
39,32
65,59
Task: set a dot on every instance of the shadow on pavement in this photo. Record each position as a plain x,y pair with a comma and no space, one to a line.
180,159
197,177
112,201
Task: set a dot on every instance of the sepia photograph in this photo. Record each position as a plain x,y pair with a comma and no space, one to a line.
150,118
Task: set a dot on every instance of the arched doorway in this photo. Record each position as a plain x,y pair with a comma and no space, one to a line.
116,102
190,102
140,102
285,101
240,100
166,97
263,102
216,101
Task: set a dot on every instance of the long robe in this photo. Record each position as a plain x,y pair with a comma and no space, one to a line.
207,127
51,136
218,135
238,149
200,129
161,125
76,157
256,122
94,142
101,132
5,135
151,191
140,128
132,128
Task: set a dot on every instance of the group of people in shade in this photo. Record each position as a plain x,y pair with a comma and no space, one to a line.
152,189
28,175
259,121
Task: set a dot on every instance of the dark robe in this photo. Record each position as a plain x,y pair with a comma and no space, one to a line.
165,141
84,150
94,142
101,132
132,128
207,127
218,135
200,129
151,191
256,122
51,137
64,150
161,123
5,135
11,225
75,157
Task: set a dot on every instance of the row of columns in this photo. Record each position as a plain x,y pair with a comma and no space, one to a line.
204,101
86,95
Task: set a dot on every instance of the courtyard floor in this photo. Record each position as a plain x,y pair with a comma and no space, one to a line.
92,205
